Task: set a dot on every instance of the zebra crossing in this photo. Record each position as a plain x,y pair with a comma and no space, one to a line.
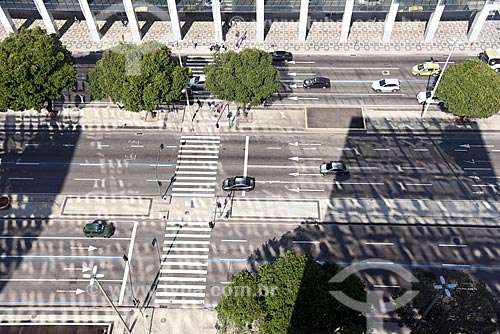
196,171
183,272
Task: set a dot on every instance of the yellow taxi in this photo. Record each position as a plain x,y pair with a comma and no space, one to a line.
427,68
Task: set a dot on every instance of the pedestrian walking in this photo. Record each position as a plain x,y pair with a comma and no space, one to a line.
198,102
211,224
217,107
195,44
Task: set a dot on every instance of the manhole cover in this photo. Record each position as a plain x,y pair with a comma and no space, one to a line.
385,72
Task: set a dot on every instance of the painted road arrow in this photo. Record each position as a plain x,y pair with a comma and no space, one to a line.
300,62
294,74
295,98
297,158
84,269
470,146
293,86
77,291
297,144
299,174
298,190
475,177
89,248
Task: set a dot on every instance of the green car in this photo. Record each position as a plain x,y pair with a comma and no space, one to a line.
98,229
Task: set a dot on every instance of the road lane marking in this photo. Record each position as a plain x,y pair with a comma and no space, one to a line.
455,265
234,240
54,280
379,262
127,264
451,245
275,166
318,182
381,149
380,243
476,168
419,184
305,242
21,178
274,148
245,162
386,286
298,190
79,179
60,257
421,149
460,150
28,163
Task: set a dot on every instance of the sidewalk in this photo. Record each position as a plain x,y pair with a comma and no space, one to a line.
322,38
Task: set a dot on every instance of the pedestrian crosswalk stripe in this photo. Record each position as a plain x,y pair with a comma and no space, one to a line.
183,294
190,242
199,229
198,156
200,137
189,256
180,184
195,167
182,249
193,189
208,162
192,287
199,146
182,235
184,271
202,141
186,223
206,178
194,172
182,279
191,195
184,264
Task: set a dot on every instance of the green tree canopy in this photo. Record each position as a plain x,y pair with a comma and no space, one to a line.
290,296
472,308
470,89
34,68
247,77
140,77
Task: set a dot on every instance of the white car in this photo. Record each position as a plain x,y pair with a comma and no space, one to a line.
197,82
424,97
386,85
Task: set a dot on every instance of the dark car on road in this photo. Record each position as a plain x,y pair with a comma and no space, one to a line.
98,229
317,82
246,183
281,55
334,167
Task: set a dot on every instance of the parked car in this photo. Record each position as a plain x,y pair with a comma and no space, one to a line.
427,68
423,97
246,183
281,55
334,167
197,82
317,82
386,85
98,228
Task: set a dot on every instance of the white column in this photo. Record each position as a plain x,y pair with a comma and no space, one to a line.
303,19
6,21
433,23
133,23
217,20
50,24
259,8
346,21
479,20
174,20
95,34
390,18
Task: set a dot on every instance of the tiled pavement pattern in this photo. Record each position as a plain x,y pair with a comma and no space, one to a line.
184,264
322,36
196,166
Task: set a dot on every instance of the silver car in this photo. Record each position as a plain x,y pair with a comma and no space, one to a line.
334,167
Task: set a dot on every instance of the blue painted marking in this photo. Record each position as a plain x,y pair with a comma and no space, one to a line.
59,257
87,163
416,265
49,303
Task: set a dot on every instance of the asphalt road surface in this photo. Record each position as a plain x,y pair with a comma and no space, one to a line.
285,166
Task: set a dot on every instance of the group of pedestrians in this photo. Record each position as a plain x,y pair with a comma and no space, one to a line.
216,47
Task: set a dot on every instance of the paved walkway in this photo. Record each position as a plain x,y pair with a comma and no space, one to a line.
323,37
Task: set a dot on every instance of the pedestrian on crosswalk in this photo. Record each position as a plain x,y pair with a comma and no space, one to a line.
211,224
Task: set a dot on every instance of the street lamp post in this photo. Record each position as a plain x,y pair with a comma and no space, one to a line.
93,278
438,80
135,301
156,168
155,243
